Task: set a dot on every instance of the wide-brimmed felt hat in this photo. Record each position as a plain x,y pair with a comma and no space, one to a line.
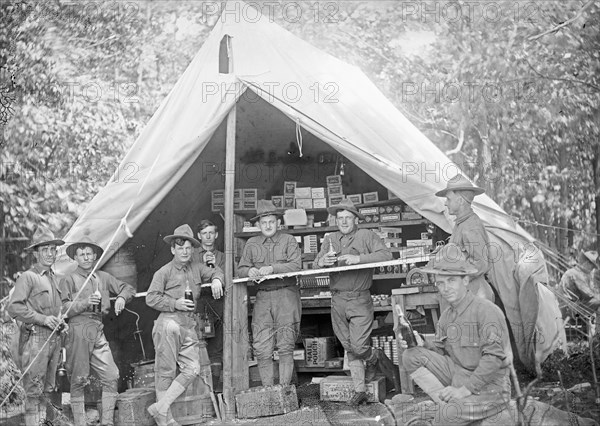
345,204
266,208
460,183
42,237
85,241
449,260
185,232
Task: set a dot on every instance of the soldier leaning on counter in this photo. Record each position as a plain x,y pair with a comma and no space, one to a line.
179,351
351,303
36,304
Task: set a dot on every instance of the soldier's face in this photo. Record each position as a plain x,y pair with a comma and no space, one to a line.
85,258
182,253
268,225
452,287
45,255
208,235
453,202
346,221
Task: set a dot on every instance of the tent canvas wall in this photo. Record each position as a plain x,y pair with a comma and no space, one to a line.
282,85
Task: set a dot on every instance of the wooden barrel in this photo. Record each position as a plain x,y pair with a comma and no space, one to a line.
195,405
143,374
122,266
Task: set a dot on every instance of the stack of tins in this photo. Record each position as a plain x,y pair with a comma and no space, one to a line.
191,407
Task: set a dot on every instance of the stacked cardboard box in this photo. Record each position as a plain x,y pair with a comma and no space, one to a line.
243,199
335,192
318,350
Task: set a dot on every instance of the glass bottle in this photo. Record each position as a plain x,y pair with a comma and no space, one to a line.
188,295
210,263
208,325
97,307
406,330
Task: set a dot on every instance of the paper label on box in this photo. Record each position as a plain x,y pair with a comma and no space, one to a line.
319,203
304,203
355,198
277,201
334,180
289,188
303,192
317,193
370,197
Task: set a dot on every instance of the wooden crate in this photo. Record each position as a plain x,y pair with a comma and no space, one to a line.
132,407
266,401
341,388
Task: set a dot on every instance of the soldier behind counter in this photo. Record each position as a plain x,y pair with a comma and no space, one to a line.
351,303
278,309
207,254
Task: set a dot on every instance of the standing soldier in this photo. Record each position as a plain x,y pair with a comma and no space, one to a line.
36,303
86,344
278,308
207,253
468,232
351,303
176,341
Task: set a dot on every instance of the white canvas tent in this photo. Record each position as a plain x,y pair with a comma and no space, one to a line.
281,84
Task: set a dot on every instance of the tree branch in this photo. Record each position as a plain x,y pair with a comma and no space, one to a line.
461,141
567,22
569,80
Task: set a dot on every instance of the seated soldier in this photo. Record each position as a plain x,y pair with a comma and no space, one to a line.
471,353
578,284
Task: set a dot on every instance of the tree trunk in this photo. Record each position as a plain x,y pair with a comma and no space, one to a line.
596,174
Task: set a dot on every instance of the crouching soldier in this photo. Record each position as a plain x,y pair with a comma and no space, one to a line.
35,303
86,344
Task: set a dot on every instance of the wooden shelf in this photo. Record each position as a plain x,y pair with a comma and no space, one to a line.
377,277
324,229
320,306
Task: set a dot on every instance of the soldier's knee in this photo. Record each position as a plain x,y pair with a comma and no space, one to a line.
413,358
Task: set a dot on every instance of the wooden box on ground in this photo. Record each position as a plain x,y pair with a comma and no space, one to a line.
266,401
341,388
132,407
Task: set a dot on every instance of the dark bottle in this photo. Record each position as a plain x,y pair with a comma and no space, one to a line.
406,330
97,307
188,295
210,263
209,330
62,369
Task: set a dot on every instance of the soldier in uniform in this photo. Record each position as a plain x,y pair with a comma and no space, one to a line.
36,304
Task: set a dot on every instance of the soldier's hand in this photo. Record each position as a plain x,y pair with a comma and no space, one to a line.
348,259
450,392
253,273
217,289
94,299
184,305
119,305
51,322
327,260
266,270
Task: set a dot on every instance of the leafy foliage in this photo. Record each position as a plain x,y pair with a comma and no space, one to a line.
519,111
